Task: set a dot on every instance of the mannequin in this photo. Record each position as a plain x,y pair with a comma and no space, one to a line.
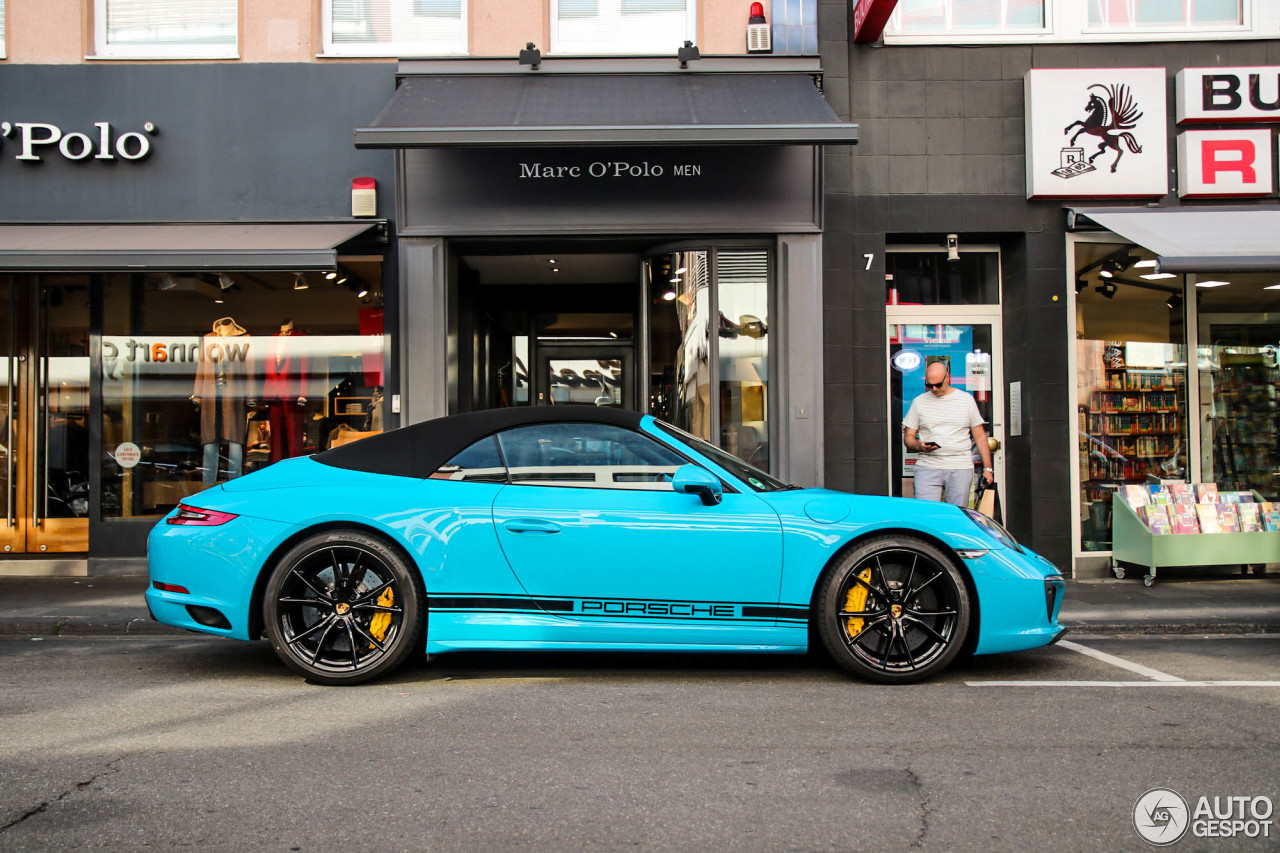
224,393
285,391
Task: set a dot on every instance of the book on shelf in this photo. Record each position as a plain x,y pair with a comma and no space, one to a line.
1157,517
1185,519
1250,518
1136,496
1208,515
1271,519
1235,497
1229,518
1207,493
1181,492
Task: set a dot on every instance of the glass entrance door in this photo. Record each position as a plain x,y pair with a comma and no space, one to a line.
44,421
970,346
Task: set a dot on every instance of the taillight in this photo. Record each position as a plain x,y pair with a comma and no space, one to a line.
170,587
199,517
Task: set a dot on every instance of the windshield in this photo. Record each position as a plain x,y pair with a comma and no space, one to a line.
749,474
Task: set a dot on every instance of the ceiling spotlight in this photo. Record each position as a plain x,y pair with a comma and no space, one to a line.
225,281
364,291
551,260
1158,276
331,275
167,282
1174,303
342,280
1212,283
299,281
1142,265
1081,284
677,272
217,300
1105,273
1272,287
1107,289
555,269
675,280
669,295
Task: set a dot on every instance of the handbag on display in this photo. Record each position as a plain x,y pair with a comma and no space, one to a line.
987,500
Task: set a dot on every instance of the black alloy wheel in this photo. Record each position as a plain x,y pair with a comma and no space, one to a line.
343,607
893,610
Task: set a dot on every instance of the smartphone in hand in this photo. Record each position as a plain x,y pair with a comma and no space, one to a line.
931,445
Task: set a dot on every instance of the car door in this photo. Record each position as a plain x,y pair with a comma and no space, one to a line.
590,520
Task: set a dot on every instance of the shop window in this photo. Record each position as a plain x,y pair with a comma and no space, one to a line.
1131,380
587,456
175,29
624,27
395,27
929,278
207,377
1238,335
919,17
1127,15
742,284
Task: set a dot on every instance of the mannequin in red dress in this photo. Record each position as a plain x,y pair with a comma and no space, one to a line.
285,391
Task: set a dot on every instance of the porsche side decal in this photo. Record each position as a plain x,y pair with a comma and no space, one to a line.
621,608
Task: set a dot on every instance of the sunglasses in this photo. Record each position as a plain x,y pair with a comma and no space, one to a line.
929,386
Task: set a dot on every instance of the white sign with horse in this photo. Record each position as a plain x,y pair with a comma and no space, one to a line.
1096,133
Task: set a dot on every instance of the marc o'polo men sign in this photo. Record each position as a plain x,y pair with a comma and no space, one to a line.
618,169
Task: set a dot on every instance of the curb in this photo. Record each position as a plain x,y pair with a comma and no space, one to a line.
1100,628
55,626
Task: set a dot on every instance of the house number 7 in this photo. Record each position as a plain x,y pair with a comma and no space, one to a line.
870,256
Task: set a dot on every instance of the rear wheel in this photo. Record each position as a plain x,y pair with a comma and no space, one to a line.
893,610
343,607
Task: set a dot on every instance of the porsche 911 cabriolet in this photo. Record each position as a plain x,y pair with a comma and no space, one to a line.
581,528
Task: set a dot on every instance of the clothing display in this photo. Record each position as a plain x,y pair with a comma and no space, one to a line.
223,390
284,389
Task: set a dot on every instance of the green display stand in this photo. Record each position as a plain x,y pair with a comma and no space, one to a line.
1133,543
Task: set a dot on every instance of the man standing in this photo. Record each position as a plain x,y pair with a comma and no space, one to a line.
939,426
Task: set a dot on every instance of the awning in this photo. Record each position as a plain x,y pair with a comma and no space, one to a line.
539,108
212,246
1198,239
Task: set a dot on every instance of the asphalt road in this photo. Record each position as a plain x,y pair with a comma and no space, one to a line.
157,742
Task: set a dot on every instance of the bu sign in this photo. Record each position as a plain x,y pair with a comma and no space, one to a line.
1224,163
1222,95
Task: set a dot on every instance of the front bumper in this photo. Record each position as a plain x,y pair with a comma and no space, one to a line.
1020,595
218,566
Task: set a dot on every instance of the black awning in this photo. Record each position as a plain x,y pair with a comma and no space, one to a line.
606,109
1198,239
291,246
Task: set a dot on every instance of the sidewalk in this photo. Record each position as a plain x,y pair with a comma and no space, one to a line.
48,607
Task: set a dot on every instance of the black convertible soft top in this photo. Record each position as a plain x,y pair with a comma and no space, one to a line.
420,449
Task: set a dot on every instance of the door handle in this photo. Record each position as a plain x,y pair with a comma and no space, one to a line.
531,525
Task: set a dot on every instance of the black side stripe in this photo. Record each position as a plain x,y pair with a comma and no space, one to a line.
776,612
478,603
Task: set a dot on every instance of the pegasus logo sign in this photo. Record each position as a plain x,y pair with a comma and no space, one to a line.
1111,114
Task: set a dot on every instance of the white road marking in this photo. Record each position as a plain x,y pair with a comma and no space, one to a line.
1136,668
1122,683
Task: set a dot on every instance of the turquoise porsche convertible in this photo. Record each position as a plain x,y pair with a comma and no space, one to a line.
581,528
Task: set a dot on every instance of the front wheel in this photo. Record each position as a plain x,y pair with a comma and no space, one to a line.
893,610
343,607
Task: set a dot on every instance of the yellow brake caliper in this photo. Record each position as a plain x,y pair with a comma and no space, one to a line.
856,602
380,622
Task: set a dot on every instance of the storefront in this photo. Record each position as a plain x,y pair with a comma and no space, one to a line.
1175,314
186,294
627,233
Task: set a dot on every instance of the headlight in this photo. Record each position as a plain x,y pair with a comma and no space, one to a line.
993,529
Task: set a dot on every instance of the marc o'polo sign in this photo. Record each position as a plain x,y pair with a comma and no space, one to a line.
540,170
36,141
1223,95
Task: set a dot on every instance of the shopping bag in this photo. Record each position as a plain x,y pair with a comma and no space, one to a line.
988,500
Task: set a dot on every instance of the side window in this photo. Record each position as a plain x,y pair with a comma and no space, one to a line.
588,456
479,463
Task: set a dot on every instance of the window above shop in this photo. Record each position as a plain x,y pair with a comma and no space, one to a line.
395,27
3,54
166,29
621,27
987,21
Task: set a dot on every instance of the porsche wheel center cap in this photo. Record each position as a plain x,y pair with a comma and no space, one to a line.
343,609
895,611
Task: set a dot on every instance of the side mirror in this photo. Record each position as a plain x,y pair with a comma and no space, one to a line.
692,480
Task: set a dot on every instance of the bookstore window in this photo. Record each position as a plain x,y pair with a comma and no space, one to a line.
1131,378
1238,333
206,377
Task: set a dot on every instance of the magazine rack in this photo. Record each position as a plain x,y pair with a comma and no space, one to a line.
1134,543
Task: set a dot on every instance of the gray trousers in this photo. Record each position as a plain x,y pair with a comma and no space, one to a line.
930,483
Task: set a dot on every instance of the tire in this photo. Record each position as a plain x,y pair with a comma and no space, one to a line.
343,607
893,610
